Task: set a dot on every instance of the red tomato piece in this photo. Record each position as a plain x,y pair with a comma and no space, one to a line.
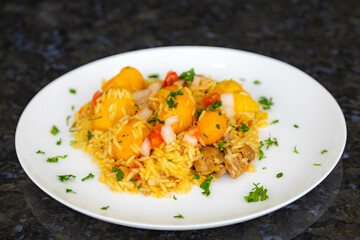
171,77
211,98
155,137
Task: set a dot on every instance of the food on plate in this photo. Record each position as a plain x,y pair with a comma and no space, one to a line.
158,137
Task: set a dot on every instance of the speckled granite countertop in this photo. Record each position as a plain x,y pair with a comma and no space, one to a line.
40,41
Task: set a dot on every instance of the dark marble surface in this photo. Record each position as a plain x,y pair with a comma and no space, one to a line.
41,40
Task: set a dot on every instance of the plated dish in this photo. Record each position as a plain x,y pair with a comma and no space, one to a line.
297,152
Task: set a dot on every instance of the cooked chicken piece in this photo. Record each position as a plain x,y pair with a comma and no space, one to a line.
221,172
238,165
210,160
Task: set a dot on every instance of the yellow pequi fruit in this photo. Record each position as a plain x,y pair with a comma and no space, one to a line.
183,106
228,86
212,126
129,78
129,139
111,107
244,103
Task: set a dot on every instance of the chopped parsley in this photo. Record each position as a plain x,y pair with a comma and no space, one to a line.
119,173
218,126
258,192
72,126
317,164
133,179
257,82
58,142
105,208
188,76
205,185
266,103
64,178
296,126
72,91
138,187
264,168
275,121
295,151
174,197
72,142
68,190
261,152
156,119
153,76
96,118
171,97
202,151
205,135
55,159
170,160
270,142
221,145
72,107
89,176
40,152
244,128
214,105
179,216
324,151
137,106
54,130
279,175
67,120
89,135
196,176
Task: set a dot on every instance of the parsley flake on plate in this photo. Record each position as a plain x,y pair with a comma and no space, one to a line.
153,76
40,152
174,197
179,216
54,130
72,91
64,178
58,142
55,159
324,151
205,185
259,192
296,126
105,208
89,176
68,190
295,150
275,121
279,175
261,152
269,142
266,103
257,82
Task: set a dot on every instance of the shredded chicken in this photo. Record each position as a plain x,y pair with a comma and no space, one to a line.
239,164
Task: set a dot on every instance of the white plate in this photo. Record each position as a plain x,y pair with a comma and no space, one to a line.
298,98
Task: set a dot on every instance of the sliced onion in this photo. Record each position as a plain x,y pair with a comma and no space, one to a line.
154,87
168,134
172,120
145,147
227,100
230,112
144,113
196,81
141,94
190,139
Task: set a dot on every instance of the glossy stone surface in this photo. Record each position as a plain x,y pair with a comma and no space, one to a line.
41,40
